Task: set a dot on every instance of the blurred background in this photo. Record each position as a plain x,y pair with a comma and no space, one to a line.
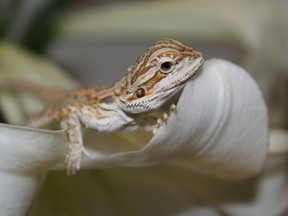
94,41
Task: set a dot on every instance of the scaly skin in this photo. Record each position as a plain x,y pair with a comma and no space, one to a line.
159,73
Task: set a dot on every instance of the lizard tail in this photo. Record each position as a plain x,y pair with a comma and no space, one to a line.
41,119
47,94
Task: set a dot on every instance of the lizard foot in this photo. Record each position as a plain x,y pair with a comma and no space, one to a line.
161,121
73,158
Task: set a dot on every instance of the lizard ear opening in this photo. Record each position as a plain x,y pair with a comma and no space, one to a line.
140,92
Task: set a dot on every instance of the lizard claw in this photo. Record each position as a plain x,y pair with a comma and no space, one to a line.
172,109
165,117
159,122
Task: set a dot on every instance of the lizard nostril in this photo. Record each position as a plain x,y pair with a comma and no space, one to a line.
140,92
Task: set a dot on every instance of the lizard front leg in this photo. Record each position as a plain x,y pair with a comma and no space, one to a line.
91,117
75,143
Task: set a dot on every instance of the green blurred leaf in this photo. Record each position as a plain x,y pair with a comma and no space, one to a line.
17,64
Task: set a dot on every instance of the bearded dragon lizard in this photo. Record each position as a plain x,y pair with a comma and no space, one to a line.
159,73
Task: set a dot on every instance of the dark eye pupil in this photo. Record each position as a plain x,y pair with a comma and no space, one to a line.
140,92
166,65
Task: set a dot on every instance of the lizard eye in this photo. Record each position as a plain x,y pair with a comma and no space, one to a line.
166,66
140,92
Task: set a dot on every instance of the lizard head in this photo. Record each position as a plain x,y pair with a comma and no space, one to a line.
157,75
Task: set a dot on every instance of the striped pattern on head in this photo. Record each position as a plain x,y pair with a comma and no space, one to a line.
156,75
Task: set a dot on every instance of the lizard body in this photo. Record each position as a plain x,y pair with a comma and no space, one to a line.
159,73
